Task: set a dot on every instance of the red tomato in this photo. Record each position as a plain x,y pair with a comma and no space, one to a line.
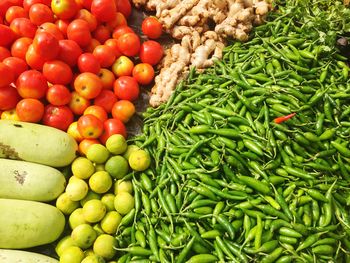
90,48
106,100
124,7
57,72
85,3
40,13
97,111
20,46
17,65
73,131
28,3
121,30
69,52
123,66
103,10
112,126
32,84
87,62
90,127
64,9
88,85
78,103
85,144
7,35
30,110
123,110
23,27
4,53
104,55
59,117
33,59
46,45
107,77
15,12
101,33
58,95
129,44
126,88
9,98
4,5
7,75
143,73
151,27
62,25
151,52
119,20
88,17
79,31
52,29
113,44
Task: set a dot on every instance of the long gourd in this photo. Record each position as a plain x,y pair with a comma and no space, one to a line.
19,256
30,181
36,143
26,224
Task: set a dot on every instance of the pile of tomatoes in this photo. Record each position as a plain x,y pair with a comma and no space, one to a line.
74,65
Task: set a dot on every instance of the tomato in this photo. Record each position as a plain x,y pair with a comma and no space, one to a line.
97,111
126,88
88,85
143,73
121,30
7,35
87,62
64,9
151,27
112,126
9,98
88,17
151,52
119,20
123,66
129,44
40,13
32,84
69,51
7,75
20,46
113,44
58,95
30,110
17,65
85,144
106,100
62,25
90,127
104,55
79,31
124,7
101,33
57,72
15,12
107,77
78,103
46,45
23,27
28,3
103,10
33,59
85,3
52,29
123,110
4,53
4,5
59,117
10,115
73,131
90,48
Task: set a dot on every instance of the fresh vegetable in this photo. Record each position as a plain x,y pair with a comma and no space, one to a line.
20,256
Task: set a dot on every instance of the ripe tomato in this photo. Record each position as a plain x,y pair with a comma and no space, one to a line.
10,115
7,75
23,27
33,59
17,65
106,100
4,53
69,52
57,72
104,55
73,131
78,103
9,98
15,12
107,77
121,30
88,17
20,46
28,3
151,52
88,85
123,66
123,110
90,48
112,126
151,27
79,31
124,7
119,20
113,44
143,73
129,44
58,95
59,117
32,84
46,45
62,25
64,9
101,33
52,29
85,3
90,127
87,62
126,88
97,111
40,13
85,144
4,5
30,110
103,10
7,35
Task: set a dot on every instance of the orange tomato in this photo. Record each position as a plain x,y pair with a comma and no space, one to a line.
143,73
85,144
123,66
123,110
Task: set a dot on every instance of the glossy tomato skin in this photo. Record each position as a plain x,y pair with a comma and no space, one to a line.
105,55
33,59
97,111
106,100
62,25
73,131
15,12
23,27
110,127
121,30
40,13
90,127
7,75
113,44
119,20
151,27
85,144
78,30
52,29
9,98
101,33
88,85
69,51
30,110
107,77
78,104
123,66
7,35
4,53
151,52
20,46
129,44
124,7
143,73
126,88
32,84
87,62
103,10
59,117
123,110
58,95
64,9
46,45
88,17
57,72
17,65
28,3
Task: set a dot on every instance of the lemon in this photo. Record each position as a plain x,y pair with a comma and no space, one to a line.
83,236
97,153
90,196
122,186
116,144
99,167
94,210
110,222
76,218
117,166
139,160
82,168
77,189
98,229
100,182
104,246
93,259
131,148
88,252
72,254
64,243
108,201
124,202
65,204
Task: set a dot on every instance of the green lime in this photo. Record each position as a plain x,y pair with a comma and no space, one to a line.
76,218
122,186
93,259
77,189
64,243
124,202
83,236
97,153
94,210
99,167
116,144
104,246
108,201
65,204
131,148
139,160
97,227
100,182
82,168
110,222
90,196
72,254
117,166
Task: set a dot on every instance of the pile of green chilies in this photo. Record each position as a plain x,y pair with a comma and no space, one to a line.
235,180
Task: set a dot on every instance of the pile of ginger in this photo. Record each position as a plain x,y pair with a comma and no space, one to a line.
201,28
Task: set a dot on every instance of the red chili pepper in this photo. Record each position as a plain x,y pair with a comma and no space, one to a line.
281,119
